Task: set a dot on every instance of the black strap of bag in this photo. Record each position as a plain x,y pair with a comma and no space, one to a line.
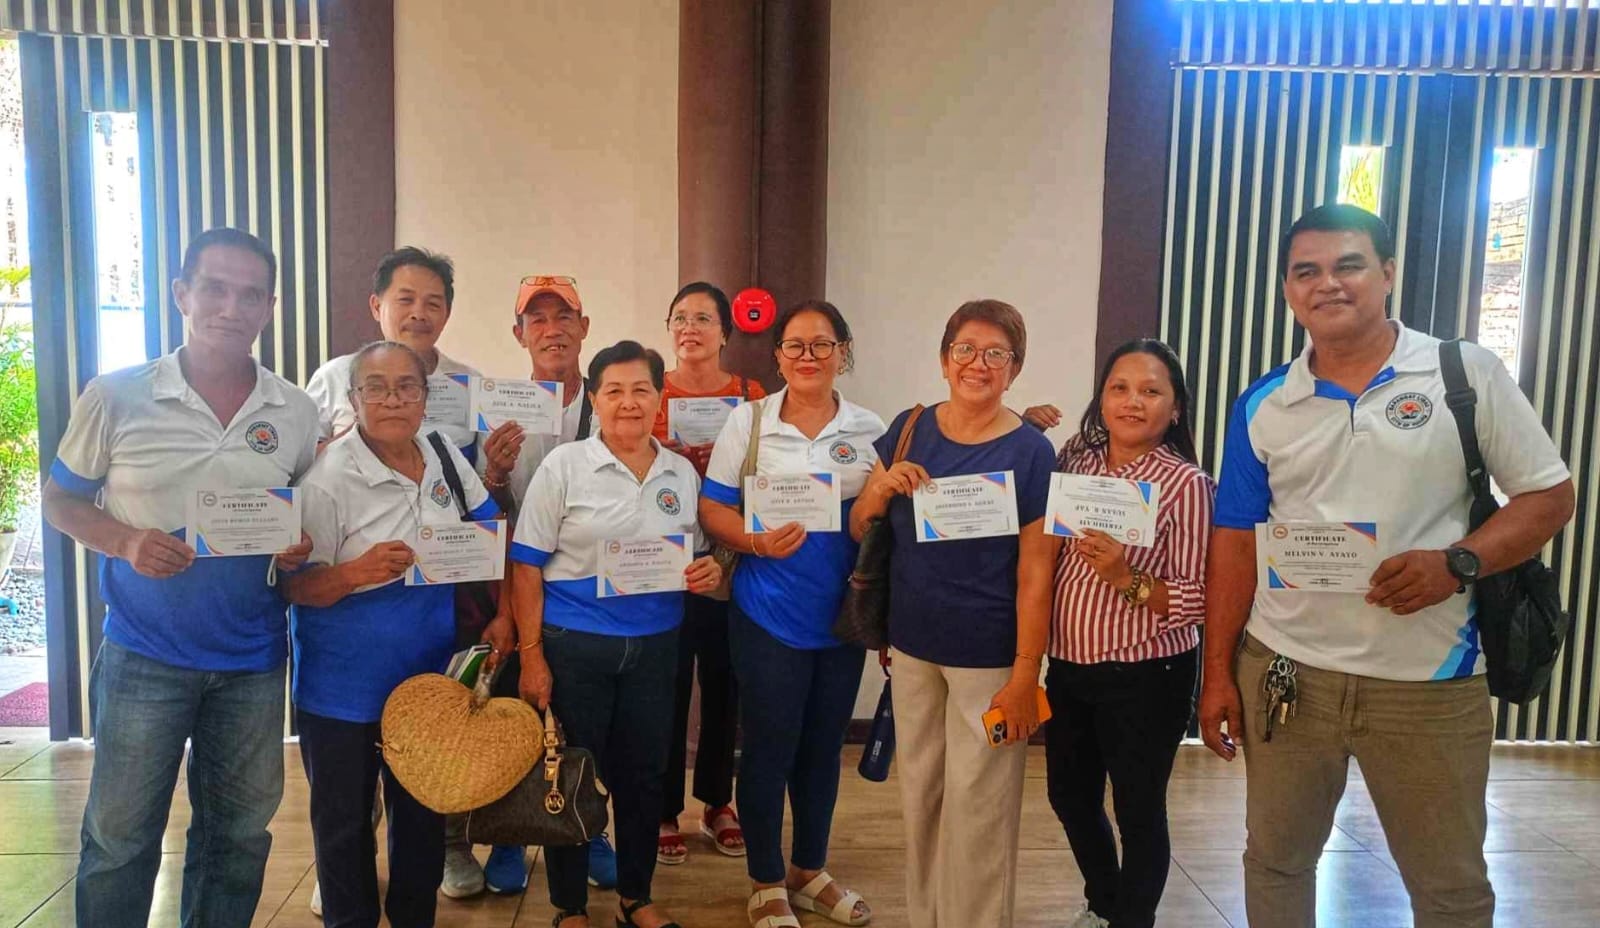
585,413
1521,624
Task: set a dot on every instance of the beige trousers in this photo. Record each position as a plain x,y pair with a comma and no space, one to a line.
962,799
1424,753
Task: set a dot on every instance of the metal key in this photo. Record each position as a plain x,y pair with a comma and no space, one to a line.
1273,687
1281,692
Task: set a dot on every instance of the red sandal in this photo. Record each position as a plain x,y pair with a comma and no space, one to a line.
725,836
670,847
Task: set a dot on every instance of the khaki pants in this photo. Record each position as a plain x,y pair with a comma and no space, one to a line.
962,799
1424,752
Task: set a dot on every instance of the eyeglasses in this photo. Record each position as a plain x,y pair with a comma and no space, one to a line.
680,322
964,353
542,280
410,394
794,349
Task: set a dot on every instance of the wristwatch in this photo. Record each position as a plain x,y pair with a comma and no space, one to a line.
1463,565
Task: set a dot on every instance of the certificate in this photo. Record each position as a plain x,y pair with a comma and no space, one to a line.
1317,557
1123,509
643,565
966,506
533,404
231,522
449,395
457,552
698,420
774,500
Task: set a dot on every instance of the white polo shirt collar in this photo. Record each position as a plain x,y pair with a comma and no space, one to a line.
1413,353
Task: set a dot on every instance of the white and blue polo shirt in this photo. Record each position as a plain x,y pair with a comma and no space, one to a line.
1302,449
583,496
330,387
796,599
141,439
351,655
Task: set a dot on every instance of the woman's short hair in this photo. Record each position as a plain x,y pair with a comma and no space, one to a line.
841,328
371,348
724,308
622,353
1002,316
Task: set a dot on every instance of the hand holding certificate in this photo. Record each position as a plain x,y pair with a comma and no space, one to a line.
1124,509
533,404
233,522
774,500
698,420
1317,557
966,506
458,552
643,565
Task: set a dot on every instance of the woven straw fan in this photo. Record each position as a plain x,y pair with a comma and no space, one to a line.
456,749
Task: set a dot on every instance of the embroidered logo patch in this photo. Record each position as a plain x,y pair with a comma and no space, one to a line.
1409,411
667,501
440,493
262,437
842,452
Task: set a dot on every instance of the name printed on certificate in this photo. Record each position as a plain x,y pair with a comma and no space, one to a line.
234,522
1317,557
533,404
698,420
1123,509
966,506
632,566
772,501
457,552
449,398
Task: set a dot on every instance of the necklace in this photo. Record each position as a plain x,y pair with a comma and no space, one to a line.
413,500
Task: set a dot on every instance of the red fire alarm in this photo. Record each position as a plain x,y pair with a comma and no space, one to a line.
754,310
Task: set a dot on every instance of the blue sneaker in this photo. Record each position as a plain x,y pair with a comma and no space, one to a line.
602,863
506,873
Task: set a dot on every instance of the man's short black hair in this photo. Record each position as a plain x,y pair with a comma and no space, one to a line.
412,256
229,238
1338,217
623,352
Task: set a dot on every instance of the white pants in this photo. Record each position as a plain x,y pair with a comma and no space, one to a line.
962,798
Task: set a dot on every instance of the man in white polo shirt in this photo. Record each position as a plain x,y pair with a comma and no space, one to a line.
1357,430
413,292
194,648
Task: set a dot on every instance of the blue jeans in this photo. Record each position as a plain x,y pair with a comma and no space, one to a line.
795,707
144,711
613,696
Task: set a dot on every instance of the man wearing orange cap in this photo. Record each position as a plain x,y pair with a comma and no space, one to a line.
551,325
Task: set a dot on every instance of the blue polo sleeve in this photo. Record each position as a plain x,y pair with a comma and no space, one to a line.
84,455
1244,497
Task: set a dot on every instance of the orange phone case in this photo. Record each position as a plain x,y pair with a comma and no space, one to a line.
994,721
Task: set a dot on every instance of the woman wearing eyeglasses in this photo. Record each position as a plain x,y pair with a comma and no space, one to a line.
969,613
797,683
358,631
700,321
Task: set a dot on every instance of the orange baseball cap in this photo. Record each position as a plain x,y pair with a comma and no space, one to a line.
566,288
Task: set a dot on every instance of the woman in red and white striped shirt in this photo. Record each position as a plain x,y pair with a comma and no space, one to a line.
1123,637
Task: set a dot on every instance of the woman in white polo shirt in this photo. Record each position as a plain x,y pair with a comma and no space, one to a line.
797,683
606,663
358,631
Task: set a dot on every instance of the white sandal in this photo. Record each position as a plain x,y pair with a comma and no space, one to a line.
842,912
762,897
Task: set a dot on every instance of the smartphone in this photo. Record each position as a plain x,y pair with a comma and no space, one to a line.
994,721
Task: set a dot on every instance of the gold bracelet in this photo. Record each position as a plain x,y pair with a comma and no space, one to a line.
753,549
530,645
1034,658
496,484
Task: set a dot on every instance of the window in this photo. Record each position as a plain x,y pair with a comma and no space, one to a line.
1361,176
1504,254
118,239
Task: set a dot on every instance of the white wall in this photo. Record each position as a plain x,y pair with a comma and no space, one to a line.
540,136
966,159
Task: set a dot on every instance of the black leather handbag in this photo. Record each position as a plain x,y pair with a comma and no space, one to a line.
560,803
1521,624
863,618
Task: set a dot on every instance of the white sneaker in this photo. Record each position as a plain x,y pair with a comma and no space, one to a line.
462,875
316,900
1087,919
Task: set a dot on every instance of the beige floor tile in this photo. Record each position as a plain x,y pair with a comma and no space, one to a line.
28,880
1354,888
19,744
66,760
1358,818
1565,811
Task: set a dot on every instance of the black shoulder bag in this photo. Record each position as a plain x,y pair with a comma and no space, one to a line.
475,602
1520,621
863,619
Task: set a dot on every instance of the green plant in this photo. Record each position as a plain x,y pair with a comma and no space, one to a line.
19,410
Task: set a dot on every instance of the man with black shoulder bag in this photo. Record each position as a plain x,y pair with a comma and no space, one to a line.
1360,583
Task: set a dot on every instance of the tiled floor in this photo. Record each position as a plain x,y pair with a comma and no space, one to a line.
1544,850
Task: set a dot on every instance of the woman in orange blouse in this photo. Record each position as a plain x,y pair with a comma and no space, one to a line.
700,321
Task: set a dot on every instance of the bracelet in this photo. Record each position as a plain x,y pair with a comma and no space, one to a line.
496,484
530,645
753,549
1033,658
1138,592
